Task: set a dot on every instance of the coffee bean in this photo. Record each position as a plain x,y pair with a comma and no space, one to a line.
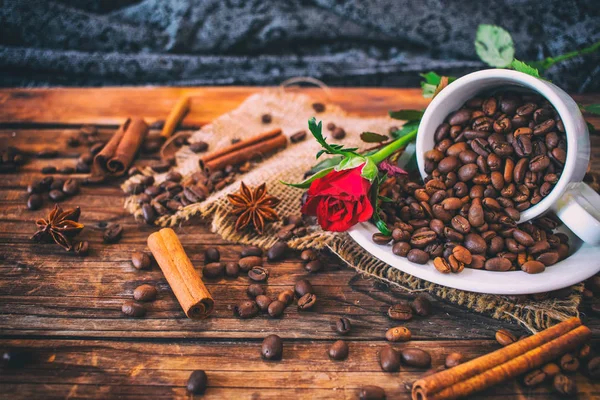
140,260
505,337
339,350
523,238
381,239
338,133
112,233
453,359
57,195
442,265
254,289
534,378
34,201
213,270
286,297
82,248
549,258
148,213
247,309
416,357
398,334
249,262
211,255
232,269
389,359
263,302
318,107
276,308
298,136
302,288
272,348
49,169
308,255
371,392
307,301
593,368
145,293
417,256
569,363
498,264
251,251
533,267
564,385
197,382
133,309
71,187
343,326
314,266
258,274
400,312
402,249
199,147
277,251
421,306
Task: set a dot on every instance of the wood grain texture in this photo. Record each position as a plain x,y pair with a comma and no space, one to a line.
65,310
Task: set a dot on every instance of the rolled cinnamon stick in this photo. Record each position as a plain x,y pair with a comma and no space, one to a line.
503,364
175,116
185,282
117,155
245,150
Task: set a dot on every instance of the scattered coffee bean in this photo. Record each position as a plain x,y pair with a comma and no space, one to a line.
389,359
307,301
49,169
298,136
371,392
533,267
416,357
67,170
161,167
199,147
504,337
113,233
263,302
133,309
417,256
82,248
249,262
398,334
303,287
47,153
57,195
254,290
564,385
140,260
266,118
197,382
308,255
276,308
272,348
258,274
71,187
232,269
534,378
277,251
247,309
593,368
251,251
211,255
286,297
338,133
34,201
148,213
313,266
421,306
453,359
318,107
213,270
343,326
338,350
569,363
145,293
400,312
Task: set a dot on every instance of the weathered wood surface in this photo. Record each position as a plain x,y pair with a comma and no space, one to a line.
65,310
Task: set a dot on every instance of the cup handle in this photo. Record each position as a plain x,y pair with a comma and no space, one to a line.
579,209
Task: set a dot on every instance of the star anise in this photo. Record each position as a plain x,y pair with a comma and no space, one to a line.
253,206
60,226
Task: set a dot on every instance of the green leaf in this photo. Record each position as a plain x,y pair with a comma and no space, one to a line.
407,115
592,108
375,218
317,132
431,82
382,226
369,170
591,127
428,89
407,128
326,163
494,46
372,137
305,184
350,162
522,67
431,78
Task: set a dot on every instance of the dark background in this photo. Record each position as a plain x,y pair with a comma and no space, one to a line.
227,42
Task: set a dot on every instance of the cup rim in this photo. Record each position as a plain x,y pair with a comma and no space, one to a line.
546,89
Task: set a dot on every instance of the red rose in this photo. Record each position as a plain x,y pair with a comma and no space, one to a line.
340,200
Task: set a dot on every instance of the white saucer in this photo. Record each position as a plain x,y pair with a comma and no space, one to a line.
583,262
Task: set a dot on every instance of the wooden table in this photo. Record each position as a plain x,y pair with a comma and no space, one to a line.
66,310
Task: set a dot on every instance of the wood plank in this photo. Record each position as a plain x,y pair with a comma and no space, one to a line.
128,369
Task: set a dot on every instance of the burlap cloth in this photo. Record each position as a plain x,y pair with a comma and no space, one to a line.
291,111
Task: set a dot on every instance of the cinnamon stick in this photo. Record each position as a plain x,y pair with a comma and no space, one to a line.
245,150
503,364
175,116
185,282
117,155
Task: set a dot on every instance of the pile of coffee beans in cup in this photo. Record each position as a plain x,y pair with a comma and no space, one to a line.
493,158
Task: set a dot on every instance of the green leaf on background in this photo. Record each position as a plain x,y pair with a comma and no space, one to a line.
591,127
369,170
350,162
407,128
305,184
317,132
375,203
494,46
431,78
548,62
326,163
592,108
431,82
372,137
522,67
406,115
382,226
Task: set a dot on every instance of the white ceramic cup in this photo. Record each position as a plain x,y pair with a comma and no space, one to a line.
574,202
